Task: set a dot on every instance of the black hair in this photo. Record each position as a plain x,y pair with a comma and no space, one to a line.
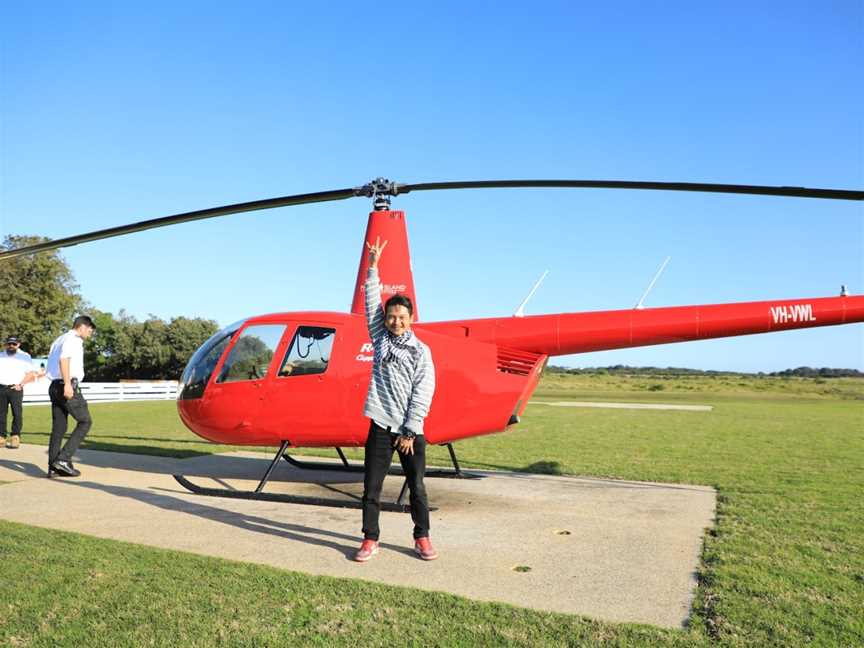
399,300
83,319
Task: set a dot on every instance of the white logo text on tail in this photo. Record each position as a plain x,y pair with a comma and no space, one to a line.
793,313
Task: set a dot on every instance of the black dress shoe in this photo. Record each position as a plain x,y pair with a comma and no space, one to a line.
63,469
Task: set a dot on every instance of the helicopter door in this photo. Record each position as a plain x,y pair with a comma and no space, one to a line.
239,387
305,386
309,352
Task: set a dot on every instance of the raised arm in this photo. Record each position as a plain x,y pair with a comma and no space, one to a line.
374,314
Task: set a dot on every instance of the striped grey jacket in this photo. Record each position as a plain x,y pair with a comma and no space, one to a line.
401,390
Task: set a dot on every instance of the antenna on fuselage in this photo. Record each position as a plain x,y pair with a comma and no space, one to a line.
520,312
651,285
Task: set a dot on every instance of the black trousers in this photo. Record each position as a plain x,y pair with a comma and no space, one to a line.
13,398
379,455
61,409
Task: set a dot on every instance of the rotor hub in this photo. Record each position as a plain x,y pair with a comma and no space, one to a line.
380,190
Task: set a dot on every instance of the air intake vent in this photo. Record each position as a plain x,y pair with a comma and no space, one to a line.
516,362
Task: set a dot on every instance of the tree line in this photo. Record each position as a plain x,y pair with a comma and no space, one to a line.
39,298
154,349
625,370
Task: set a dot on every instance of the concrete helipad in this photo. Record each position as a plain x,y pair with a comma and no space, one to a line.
612,550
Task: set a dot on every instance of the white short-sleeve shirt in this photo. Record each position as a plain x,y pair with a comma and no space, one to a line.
13,368
69,345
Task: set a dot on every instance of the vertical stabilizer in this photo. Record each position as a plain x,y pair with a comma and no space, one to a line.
394,268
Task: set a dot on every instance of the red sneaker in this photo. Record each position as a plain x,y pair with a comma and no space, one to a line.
368,549
424,549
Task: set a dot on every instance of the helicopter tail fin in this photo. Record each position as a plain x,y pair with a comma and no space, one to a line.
394,268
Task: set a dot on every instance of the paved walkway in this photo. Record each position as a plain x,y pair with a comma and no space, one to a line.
612,550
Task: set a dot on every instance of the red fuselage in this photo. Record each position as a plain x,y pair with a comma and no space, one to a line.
478,389
486,369
302,377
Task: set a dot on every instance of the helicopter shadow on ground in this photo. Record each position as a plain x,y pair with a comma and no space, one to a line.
24,467
219,467
288,531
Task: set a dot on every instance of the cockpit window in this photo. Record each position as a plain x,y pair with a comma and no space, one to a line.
251,354
204,361
309,352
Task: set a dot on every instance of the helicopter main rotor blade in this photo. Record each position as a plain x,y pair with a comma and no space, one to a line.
382,187
120,230
798,192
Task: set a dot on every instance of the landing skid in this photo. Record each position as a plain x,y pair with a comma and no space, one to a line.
398,506
456,473
281,497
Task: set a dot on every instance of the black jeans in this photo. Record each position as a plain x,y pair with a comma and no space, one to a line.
13,398
60,410
379,455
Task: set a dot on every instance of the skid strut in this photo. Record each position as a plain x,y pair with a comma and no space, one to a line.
259,494
456,473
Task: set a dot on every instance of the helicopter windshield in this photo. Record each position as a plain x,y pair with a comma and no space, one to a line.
203,362
251,354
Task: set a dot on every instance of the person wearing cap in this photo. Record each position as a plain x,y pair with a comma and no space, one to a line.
16,370
66,371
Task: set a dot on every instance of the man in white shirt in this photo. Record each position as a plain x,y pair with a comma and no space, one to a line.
16,370
66,371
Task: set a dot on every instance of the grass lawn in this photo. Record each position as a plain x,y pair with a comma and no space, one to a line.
784,565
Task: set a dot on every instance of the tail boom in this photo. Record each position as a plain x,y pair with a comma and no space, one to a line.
567,333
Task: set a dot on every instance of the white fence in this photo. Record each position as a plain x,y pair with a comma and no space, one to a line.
95,392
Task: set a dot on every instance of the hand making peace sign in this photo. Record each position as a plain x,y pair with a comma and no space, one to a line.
375,251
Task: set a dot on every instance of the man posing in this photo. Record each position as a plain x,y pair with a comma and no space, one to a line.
16,370
400,393
66,370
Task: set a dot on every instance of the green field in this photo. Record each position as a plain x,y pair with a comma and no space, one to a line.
783,566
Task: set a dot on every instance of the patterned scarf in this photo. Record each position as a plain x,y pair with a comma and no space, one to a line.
396,347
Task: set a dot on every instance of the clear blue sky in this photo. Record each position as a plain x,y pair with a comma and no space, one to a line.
118,112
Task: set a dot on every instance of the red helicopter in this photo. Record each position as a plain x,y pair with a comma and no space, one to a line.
299,379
